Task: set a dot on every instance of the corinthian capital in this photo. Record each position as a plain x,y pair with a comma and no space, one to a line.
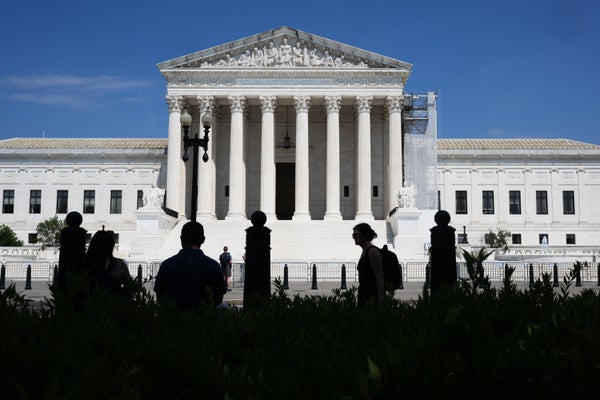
302,103
332,103
363,103
207,104
237,103
174,103
268,103
394,103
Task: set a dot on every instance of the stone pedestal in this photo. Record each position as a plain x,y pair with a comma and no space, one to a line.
152,227
410,227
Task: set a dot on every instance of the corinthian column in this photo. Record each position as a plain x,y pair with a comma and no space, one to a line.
237,168
267,156
332,212
302,104
363,162
206,170
175,167
394,167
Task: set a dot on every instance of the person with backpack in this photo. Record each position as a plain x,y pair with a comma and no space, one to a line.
226,264
370,268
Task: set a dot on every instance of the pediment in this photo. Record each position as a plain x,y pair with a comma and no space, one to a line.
283,48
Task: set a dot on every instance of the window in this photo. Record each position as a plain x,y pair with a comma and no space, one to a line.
8,202
35,202
89,201
346,191
570,238
32,238
226,190
88,238
568,202
375,191
461,201
541,202
516,238
140,199
514,202
487,200
116,237
543,238
487,239
439,200
62,201
116,201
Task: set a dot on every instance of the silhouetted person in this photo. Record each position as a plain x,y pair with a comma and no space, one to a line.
190,278
71,258
443,253
226,264
370,268
107,271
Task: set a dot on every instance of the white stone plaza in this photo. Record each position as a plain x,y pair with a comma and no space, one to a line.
319,135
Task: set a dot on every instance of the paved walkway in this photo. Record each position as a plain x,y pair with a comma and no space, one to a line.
412,290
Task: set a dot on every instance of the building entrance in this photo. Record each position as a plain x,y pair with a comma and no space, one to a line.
285,190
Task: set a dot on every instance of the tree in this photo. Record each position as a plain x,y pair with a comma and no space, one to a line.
48,231
497,239
8,237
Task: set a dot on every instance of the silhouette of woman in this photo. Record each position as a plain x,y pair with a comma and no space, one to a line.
107,271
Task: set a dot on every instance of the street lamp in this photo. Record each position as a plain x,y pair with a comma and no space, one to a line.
195,142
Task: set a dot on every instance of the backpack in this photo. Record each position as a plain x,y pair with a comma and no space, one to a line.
391,269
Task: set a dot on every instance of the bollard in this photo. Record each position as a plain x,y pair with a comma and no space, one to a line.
343,286
505,270
257,274
530,275
598,271
28,279
314,278
428,276
442,253
3,277
55,275
578,276
401,283
139,275
555,272
286,284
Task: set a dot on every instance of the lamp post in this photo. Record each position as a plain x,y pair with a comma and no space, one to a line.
195,143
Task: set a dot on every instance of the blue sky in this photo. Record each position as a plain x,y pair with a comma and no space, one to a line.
503,69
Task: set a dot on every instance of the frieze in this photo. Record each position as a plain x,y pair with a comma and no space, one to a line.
283,54
202,81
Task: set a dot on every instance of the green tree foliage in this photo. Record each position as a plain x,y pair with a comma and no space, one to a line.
48,231
8,237
498,239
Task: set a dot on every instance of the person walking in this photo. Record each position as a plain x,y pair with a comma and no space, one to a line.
370,268
226,264
190,278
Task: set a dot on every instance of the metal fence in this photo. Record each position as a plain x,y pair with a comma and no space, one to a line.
325,270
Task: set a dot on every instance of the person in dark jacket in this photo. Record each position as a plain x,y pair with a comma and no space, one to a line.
190,278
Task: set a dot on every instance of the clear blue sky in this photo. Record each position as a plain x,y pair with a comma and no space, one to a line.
503,69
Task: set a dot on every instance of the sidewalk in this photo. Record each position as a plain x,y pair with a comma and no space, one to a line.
412,290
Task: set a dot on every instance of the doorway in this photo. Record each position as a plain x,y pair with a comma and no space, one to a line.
285,190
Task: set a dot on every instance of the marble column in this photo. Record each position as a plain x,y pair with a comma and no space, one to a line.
395,152
332,211
237,168
363,161
206,170
175,165
302,212
267,157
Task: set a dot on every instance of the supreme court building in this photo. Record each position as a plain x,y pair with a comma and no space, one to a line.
318,135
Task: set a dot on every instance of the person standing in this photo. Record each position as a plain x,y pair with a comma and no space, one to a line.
226,264
190,278
107,271
370,268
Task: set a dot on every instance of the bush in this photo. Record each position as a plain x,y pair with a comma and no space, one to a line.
8,237
469,341
48,231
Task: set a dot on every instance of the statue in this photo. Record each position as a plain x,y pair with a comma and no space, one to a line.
406,197
153,198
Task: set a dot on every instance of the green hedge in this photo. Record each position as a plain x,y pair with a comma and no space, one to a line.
471,341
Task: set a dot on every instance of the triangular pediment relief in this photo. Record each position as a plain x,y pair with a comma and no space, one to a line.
284,48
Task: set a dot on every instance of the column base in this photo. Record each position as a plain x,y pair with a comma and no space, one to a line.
364,215
205,216
301,216
333,216
271,216
236,215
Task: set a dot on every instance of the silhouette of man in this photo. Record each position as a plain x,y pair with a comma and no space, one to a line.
71,259
190,278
